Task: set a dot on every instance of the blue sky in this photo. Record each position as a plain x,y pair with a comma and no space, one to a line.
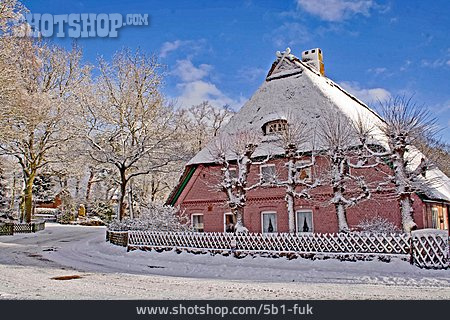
222,50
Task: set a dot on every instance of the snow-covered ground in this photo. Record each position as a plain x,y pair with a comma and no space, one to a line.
28,262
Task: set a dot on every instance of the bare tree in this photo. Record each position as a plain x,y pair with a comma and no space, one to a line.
406,126
234,153
345,147
201,123
36,116
297,142
130,126
10,13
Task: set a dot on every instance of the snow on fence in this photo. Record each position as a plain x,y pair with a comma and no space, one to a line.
6,229
33,226
337,243
425,248
430,248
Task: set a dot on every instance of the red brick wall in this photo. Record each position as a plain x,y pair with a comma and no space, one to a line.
201,195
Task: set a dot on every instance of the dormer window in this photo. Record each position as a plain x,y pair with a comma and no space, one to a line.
275,126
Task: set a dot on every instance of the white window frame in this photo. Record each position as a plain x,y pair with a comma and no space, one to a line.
278,125
296,220
233,173
192,221
225,220
261,171
262,221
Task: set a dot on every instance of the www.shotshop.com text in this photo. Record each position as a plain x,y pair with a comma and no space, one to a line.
207,309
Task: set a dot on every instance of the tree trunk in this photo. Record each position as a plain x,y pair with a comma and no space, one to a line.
28,197
123,190
239,214
403,192
291,211
290,191
13,195
342,217
407,213
338,193
89,185
130,201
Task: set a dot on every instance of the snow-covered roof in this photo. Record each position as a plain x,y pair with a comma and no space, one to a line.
294,89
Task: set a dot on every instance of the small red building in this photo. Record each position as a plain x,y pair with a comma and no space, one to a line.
294,86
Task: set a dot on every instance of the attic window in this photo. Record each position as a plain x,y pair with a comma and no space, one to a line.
275,126
312,51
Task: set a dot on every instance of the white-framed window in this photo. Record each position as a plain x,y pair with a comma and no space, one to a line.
229,222
275,126
305,173
233,173
304,221
197,222
267,173
269,222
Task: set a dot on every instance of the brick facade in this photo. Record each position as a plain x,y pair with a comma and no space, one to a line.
202,196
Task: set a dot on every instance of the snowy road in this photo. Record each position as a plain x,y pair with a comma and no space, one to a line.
28,263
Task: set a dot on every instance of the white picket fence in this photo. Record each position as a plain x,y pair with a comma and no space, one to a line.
356,243
426,249
430,248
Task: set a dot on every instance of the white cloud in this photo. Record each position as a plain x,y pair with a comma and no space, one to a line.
436,63
337,10
192,46
366,95
168,47
195,92
443,61
194,87
186,71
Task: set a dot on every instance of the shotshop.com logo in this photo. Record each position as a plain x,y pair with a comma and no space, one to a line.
80,25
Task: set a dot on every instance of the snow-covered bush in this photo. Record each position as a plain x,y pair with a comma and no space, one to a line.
65,217
378,225
101,209
154,217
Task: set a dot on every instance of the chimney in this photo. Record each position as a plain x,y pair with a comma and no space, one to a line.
314,59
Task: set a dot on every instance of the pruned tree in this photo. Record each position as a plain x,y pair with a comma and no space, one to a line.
406,126
345,144
297,142
37,113
234,153
130,127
